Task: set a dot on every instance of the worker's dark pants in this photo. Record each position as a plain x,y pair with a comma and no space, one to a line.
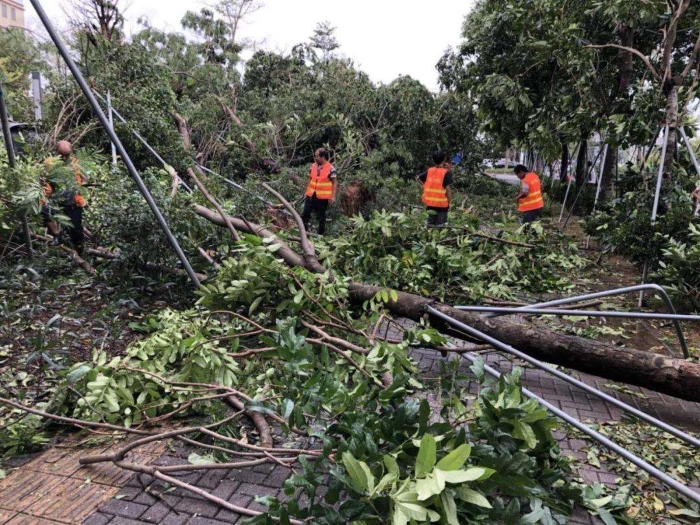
530,216
75,230
317,206
437,216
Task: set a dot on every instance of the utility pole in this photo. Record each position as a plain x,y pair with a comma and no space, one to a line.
37,96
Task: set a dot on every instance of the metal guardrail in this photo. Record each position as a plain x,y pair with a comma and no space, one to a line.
647,467
608,293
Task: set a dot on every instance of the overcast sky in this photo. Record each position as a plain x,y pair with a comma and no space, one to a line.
385,38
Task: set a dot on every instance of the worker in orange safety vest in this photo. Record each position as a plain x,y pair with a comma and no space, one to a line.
62,189
437,189
530,201
321,190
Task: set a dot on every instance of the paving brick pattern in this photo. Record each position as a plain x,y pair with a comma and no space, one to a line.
143,500
55,488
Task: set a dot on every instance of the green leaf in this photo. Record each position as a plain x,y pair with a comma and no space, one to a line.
429,486
524,431
384,483
472,496
606,517
678,512
77,373
390,463
536,515
455,459
254,305
470,474
356,472
287,408
404,512
601,502
535,415
450,507
423,416
592,458
426,455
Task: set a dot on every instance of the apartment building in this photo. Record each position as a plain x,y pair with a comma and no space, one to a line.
12,13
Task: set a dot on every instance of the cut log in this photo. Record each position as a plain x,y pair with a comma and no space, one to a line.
674,377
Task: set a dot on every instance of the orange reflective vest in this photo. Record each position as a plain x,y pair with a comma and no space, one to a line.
48,189
534,200
434,194
320,182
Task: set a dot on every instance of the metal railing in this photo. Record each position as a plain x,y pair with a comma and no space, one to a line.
647,467
496,311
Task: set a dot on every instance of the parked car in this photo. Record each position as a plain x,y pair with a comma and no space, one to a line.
505,163
486,163
22,135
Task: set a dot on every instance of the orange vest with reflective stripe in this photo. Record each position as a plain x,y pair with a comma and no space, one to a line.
434,194
320,182
534,200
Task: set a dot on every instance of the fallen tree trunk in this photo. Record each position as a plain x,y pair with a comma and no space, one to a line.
675,377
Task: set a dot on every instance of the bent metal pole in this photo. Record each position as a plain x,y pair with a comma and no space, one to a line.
600,438
618,291
690,151
525,310
114,138
565,377
655,207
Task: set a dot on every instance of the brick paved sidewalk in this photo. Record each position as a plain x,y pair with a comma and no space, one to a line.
55,488
135,505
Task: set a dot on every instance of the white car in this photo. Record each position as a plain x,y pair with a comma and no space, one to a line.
505,163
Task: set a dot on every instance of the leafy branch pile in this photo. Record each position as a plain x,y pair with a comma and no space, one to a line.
395,250
282,343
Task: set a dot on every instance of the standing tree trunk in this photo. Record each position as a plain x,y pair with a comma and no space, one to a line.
671,91
606,185
625,62
625,58
564,161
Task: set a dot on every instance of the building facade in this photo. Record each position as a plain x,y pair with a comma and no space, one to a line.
12,13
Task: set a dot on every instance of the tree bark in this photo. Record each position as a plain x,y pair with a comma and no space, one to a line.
625,59
675,377
608,182
564,161
671,91
184,130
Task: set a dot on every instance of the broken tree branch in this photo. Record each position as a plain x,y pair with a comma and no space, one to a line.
306,246
214,202
632,50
